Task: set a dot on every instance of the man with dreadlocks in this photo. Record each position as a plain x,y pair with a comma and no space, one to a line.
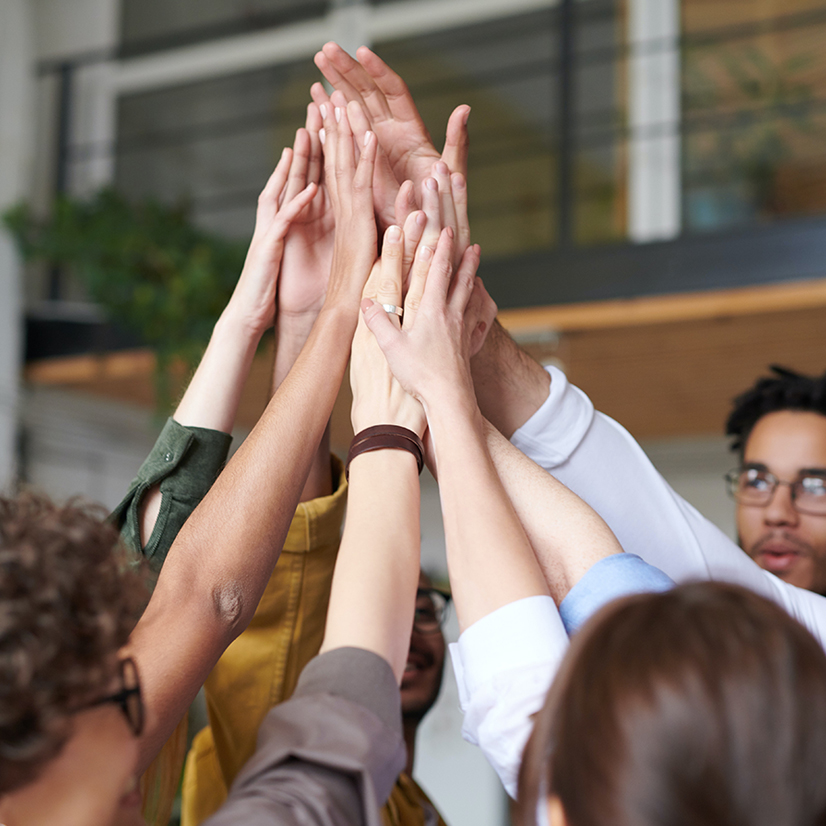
779,431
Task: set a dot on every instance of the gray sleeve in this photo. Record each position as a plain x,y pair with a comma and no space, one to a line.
328,756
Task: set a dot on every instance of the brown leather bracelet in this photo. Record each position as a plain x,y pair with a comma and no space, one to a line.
382,436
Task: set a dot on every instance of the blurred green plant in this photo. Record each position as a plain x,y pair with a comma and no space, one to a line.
147,265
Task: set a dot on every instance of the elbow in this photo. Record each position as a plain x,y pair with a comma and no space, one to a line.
228,606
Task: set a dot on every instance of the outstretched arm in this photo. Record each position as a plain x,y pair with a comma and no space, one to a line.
222,559
192,449
305,270
510,385
377,572
489,559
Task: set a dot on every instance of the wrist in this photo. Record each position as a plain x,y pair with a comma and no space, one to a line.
239,324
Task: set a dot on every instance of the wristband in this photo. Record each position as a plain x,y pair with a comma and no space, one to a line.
382,436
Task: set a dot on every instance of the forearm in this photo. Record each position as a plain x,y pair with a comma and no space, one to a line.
291,333
211,400
567,535
510,386
223,558
374,585
489,558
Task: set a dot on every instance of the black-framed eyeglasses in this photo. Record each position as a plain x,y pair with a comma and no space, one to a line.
129,697
431,610
755,486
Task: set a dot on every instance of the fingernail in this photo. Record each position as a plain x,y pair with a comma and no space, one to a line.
323,109
467,115
394,234
338,114
368,136
449,231
441,168
425,253
322,136
421,219
458,181
430,183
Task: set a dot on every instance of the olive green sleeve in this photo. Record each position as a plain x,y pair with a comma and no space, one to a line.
185,461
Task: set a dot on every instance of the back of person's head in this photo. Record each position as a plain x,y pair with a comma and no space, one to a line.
69,598
703,705
785,390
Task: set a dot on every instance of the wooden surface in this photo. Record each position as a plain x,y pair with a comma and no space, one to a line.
662,366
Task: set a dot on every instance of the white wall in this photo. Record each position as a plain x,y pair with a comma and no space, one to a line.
16,132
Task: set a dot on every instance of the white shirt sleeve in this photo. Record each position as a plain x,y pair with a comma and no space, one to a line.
505,664
599,461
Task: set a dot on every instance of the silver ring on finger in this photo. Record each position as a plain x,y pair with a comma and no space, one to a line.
392,309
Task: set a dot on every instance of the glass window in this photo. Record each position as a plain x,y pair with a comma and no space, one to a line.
600,190
507,71
754,87
152,25
213,144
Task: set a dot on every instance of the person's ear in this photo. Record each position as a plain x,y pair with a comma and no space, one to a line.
556,814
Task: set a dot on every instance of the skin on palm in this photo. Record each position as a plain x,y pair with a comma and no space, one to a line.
790,544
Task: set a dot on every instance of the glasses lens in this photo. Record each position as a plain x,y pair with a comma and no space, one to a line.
133,701
810,494
430,610
751,486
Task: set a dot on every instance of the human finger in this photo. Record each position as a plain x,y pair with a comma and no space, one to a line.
333,76
394,94
416,282
462,283
313,125
354,79
479,315
441,174
297,179
458,189
359,123
328,135
290,211
389,293
363,178
379,324
405,203
412,228
432,209
271,193
441,269
319,94
457,142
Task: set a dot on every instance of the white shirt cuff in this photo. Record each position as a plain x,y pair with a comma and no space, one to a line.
554,432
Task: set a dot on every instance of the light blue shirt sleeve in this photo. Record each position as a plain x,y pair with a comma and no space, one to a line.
619,575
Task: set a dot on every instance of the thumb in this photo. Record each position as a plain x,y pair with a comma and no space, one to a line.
379,324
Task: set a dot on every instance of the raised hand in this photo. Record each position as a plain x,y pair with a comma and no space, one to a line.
350,187
308,246
385,186
378,398
254,297
392,113
430,354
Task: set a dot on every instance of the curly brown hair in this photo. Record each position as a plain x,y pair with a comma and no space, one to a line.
69,597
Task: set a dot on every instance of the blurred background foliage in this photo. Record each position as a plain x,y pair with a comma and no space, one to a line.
151,270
